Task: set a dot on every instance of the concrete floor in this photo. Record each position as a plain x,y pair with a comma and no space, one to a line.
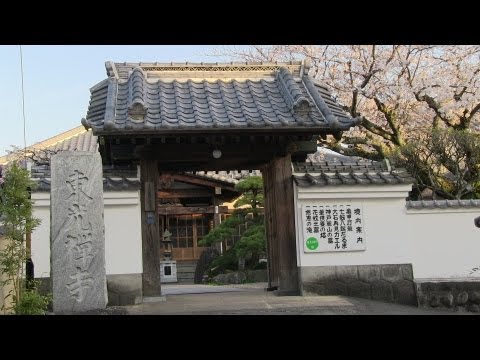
252,299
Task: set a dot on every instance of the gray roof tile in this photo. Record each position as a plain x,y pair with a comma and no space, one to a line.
442,204
83,142
109,184
319,166
156,98
353,178
345,170
232,177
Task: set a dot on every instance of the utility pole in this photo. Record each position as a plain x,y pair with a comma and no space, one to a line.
29,270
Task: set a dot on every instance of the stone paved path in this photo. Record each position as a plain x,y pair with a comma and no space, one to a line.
252,299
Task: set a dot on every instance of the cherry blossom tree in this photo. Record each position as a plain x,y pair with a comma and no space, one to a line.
403,94
396,89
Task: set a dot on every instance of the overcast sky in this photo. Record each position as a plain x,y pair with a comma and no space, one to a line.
57,80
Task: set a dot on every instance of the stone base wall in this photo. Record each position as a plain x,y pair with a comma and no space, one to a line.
458,296
385,282
123,289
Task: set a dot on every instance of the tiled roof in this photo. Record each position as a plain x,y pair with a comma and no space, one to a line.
348,171
232,177
442,204
76,139
109,184
353,178
339,166
161,98
83,141
42,175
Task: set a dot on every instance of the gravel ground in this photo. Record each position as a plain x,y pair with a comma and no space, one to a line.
110,310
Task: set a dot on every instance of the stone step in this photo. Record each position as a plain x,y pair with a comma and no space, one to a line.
186,272
186,267
185,275
183,270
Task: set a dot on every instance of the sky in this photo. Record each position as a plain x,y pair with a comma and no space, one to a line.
57,81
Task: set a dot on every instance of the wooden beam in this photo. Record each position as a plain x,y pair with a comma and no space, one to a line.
214,165
165,181
150,228
197,180
177,194
189,210
203,152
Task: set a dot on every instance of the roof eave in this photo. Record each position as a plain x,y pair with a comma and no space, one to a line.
247,130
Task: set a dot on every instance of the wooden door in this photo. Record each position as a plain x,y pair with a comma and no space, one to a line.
187,231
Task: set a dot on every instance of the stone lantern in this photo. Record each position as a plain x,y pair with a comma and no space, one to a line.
167,245
168,267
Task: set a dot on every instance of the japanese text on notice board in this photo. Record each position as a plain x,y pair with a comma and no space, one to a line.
333,227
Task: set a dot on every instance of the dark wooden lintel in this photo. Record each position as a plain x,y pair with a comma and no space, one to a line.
188,210
204,182
186,193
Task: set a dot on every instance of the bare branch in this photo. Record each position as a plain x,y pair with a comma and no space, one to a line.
390,116
375,129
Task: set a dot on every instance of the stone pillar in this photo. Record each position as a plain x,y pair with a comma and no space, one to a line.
150,228
77,234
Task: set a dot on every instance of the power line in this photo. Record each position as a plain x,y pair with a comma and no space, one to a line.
23,109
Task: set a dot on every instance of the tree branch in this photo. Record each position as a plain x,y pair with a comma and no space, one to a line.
475,109
432,104
396,136
375,129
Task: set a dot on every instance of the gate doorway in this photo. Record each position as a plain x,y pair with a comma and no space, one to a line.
198,117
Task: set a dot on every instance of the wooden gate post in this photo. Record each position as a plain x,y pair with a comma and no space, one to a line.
150,228
280,225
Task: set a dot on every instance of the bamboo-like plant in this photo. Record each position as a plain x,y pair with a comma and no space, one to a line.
16,220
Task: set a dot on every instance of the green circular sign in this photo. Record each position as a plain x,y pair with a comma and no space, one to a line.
312,243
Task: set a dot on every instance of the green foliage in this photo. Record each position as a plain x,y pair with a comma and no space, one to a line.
252,193
259,266
227,261
251,183
447,161
223,230
17,220
32,303
252,244
12,259
15,203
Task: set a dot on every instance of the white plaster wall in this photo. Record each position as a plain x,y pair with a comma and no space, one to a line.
439,243
385,236
123,239
41,235
443,243
123,234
